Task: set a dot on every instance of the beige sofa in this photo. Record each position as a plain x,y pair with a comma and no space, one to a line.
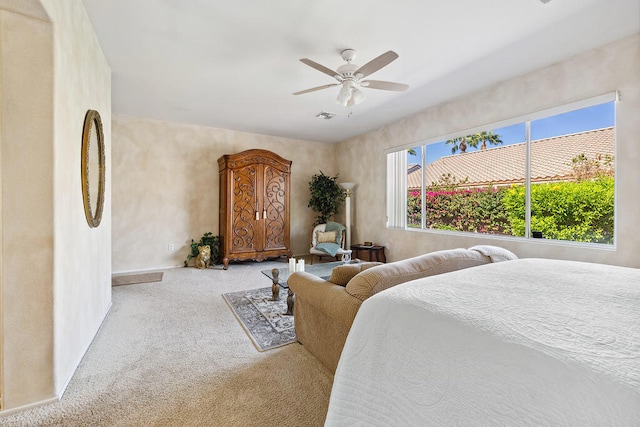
325,309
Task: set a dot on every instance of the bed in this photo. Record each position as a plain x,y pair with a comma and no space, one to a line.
522,342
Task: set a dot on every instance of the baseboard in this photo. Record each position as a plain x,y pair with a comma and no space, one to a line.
146,270
7,412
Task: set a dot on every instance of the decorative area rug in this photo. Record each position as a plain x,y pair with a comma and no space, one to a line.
263,320
132,279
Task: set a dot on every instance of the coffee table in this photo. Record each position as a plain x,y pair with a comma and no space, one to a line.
279,277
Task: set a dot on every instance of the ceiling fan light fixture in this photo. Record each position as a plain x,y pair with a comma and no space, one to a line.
345,93
357,96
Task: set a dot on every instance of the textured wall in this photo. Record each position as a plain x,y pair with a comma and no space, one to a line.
27,208
612,67
82,255
55,269
165,186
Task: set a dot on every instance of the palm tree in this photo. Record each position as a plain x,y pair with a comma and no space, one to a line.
481,138
459,143
484,137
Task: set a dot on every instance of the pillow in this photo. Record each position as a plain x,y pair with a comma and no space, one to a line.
495,253
342,274
326,237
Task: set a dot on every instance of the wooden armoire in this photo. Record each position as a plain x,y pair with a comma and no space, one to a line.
254,206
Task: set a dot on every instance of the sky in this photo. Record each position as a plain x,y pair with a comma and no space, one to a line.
590,118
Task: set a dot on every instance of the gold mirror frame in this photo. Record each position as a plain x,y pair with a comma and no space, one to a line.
92,123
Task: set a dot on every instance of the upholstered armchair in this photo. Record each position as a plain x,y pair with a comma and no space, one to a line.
328,240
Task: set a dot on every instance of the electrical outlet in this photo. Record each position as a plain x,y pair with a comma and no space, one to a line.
170,247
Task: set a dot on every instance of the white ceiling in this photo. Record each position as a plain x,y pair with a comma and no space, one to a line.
235,64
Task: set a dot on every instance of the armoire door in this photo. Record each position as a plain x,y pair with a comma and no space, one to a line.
245,221
275,208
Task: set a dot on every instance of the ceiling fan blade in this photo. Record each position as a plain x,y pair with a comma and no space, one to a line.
321,68
376,63
313,89
378,84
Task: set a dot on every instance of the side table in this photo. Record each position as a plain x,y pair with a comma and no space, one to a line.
368,253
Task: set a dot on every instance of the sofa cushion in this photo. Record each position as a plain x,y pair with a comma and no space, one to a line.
343,273
374,280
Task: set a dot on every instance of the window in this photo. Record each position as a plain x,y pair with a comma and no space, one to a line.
550,175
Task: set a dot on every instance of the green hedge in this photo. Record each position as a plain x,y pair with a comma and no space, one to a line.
574,211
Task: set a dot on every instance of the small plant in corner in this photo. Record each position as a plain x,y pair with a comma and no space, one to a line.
326,196
206,239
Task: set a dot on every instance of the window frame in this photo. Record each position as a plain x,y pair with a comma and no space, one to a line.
527,119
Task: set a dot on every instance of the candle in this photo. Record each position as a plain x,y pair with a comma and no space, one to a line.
300,266
292,265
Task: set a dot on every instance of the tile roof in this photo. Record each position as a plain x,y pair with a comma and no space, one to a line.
412,167
550,160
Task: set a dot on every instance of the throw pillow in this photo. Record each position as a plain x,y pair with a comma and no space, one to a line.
326,237
495,253
342,274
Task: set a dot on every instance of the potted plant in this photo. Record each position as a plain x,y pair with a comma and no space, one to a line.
326,196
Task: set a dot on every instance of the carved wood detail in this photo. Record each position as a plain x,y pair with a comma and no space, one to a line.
243,209
275,187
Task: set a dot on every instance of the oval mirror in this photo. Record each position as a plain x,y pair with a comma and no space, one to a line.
93,168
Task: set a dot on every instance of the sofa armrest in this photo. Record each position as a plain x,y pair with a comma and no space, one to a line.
328,297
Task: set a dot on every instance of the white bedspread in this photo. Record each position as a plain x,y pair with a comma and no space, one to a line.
524,342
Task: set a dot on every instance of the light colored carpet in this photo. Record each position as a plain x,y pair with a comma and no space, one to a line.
132,279
173,354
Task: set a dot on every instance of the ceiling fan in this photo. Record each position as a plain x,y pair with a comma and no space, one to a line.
350,76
